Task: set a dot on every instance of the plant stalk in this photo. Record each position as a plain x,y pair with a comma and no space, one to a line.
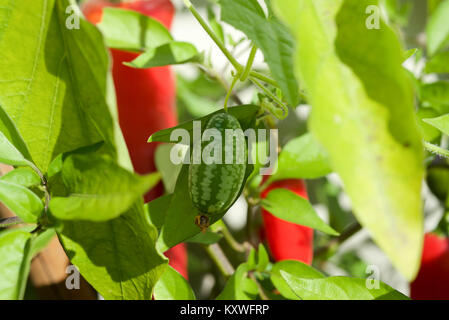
436,149
217,255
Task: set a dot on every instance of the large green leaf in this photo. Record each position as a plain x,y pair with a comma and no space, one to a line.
20,200
271,36
173,286
199,96
429,132
339,288
432,5
239,287
43,85
207,238
441,123
292,267
117,257
175,52
362,113
131,30
97,189
438,63
302,158
438,28
289,206
26,177
168,170
178,215
436,94
57,90
15,258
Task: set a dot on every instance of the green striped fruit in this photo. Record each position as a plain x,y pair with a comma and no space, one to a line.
214,185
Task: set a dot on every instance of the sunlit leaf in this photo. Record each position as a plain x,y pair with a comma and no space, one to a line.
363,115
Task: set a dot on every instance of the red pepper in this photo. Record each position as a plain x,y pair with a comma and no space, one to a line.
146,101
432,282
286,240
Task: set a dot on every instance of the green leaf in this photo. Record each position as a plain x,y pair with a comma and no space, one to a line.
438,63
56,165
339,288
432,5
173,286
250,288
156,210
42,240
25,177
206,238
302,158
363,115
441,123
438,181
98,189
168,170
15,258
9,130
56,112
437,94
429,132
131,30
271,36
196,96
117,257
289,206
398,11
292,267
174,52
10,155
178,215
20,200
237,288
251,261
245,114
410,53
438,29
43,90
262,258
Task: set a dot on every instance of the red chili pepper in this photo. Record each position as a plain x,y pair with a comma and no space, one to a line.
432,282
146,101
286,240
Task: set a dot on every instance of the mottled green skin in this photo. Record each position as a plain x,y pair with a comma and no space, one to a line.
215,187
